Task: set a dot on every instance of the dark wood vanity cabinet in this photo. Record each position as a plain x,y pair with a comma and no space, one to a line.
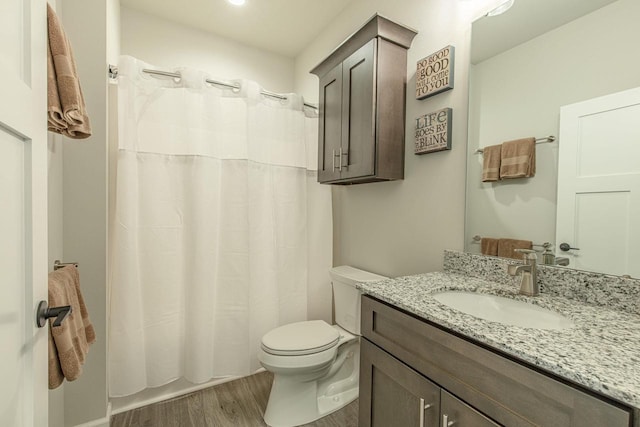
392,394
413,373
362,103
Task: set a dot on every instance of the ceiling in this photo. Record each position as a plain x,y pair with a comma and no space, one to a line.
280,26
525,20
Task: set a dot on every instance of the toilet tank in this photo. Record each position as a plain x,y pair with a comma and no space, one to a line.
346,298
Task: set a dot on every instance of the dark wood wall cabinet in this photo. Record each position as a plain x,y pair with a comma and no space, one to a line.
362,105
414,374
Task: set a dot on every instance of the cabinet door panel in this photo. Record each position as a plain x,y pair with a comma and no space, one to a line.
358,112
330,132
392,394
457,413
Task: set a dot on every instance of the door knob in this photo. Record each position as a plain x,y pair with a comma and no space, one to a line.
45,312
567,247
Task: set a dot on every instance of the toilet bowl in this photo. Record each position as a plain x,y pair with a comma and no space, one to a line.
316,365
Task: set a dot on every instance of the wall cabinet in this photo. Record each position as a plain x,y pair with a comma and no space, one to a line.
413,373
362,104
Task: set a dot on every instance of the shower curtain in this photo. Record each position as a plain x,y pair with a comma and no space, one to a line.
220,231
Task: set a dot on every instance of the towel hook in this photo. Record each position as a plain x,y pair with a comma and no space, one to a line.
45,312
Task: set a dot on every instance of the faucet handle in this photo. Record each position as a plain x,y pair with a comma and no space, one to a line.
527,253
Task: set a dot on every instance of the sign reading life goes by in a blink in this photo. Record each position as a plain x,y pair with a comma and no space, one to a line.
435,73
433,132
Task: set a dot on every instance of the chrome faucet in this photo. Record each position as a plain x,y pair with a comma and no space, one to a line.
529,270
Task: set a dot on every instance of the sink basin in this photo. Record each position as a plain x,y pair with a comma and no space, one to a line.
503,310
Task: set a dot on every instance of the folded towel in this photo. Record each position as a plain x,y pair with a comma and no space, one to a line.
489,246
66,111
506,247
68,343
491,163
518,158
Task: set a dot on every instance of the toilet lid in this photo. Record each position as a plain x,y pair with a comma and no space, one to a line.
300,338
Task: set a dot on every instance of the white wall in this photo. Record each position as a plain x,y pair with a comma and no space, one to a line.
85,202
55,235
55,248
166,44
519,93
402,227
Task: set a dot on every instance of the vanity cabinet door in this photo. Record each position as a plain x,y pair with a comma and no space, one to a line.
454,412
392,394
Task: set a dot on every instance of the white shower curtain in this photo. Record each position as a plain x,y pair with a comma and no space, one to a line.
220,231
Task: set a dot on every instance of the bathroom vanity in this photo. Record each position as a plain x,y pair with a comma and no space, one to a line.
425,364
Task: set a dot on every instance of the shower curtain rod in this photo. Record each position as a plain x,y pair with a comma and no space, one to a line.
113,73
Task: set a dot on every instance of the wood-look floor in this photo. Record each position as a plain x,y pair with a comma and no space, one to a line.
239,403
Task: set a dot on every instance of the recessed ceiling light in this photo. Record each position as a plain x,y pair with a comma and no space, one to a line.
502,8
237,2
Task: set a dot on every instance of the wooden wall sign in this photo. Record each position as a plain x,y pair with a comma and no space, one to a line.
435,73
433,132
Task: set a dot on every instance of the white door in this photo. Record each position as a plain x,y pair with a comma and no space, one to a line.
599,184
23,212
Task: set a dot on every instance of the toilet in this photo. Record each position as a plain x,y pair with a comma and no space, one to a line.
316,365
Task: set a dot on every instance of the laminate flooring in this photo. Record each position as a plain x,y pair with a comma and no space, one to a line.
238,403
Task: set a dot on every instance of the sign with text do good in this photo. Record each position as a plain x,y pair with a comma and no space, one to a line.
435,73
433,131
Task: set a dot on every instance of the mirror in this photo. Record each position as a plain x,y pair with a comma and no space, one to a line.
527,63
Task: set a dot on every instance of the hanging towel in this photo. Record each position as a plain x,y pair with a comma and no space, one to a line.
68,343
489,246
506,247
66,111
491,163
518,158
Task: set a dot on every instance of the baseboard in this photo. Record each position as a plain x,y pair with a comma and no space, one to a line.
101,422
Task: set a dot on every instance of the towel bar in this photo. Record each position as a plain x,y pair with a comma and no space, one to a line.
58,265
547,139
477,238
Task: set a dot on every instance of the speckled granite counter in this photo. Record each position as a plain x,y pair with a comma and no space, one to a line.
601,352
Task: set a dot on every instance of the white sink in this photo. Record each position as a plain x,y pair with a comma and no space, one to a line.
503,310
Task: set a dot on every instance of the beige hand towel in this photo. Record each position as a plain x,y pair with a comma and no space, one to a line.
491,163
489,246
518,159
506,247
66,111
68,343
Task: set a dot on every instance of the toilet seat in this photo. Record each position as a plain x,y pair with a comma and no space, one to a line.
300,338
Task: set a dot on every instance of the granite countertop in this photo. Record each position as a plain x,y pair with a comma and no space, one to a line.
601,352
